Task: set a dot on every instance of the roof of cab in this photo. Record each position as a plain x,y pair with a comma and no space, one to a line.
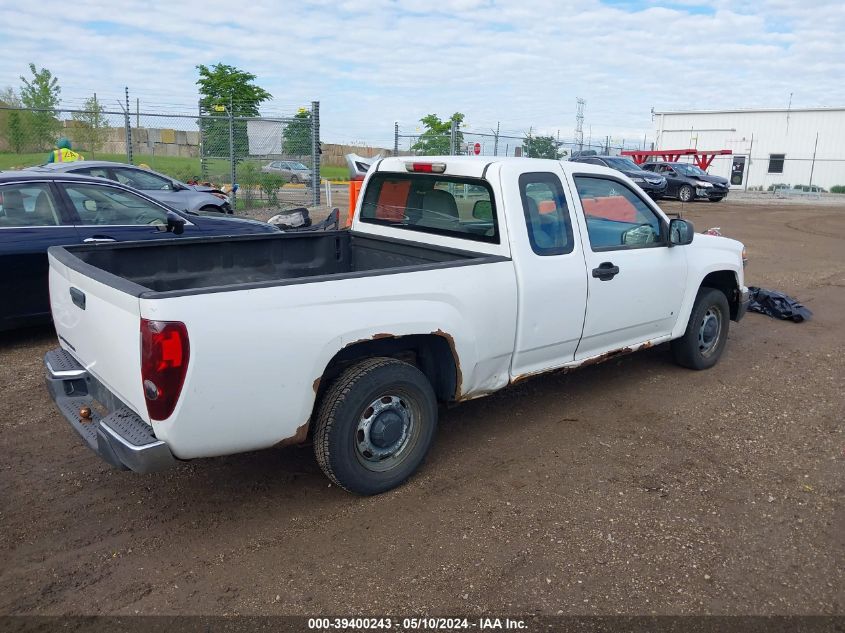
475,166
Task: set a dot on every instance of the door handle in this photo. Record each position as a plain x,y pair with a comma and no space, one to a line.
98,240
606,271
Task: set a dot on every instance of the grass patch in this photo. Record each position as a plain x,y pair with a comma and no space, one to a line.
177,167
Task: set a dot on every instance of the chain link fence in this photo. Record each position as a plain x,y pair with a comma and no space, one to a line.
464,142
274,161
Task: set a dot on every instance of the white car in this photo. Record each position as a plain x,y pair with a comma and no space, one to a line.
459,276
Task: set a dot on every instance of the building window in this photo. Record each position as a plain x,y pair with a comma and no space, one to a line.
776,163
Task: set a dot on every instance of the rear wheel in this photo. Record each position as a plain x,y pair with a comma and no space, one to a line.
294,180
686,193
375,425
707,331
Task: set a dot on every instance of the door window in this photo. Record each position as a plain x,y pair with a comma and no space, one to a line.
27,205
546,213
616,217
102,205
143,180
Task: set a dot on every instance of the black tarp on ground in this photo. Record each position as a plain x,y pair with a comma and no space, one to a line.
776,304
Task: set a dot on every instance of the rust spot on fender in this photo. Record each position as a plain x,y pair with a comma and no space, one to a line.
298,437
382,335
458,375
316,384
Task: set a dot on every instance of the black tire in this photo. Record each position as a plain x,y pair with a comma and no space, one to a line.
342,446
294,180
211,207
716,199
700,347
686,193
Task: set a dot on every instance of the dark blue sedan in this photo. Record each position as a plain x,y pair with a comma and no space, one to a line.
39,210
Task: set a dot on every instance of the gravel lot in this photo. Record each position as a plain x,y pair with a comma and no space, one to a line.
632,487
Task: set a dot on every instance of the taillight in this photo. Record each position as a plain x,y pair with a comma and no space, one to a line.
426,168
165,352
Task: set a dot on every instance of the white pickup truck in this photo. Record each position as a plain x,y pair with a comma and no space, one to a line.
459,276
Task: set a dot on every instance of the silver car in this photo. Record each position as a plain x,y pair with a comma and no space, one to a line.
170,191
294,171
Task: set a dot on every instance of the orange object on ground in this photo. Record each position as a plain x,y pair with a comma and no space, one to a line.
617,208
354,192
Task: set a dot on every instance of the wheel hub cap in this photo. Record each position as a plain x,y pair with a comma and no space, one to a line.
383,429
708,333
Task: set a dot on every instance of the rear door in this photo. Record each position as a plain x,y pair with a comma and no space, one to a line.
636,280
107,213
550,269
31,220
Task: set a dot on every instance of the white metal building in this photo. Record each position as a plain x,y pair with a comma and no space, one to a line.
770,146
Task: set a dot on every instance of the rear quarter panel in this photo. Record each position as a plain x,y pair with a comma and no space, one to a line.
257,355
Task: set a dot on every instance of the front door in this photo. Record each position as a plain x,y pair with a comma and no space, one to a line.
107,213
636,280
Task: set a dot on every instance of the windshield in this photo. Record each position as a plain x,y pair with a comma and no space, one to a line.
689,170
622,164
446,205
297,166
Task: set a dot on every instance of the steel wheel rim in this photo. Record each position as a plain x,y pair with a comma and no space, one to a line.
387,430
709,331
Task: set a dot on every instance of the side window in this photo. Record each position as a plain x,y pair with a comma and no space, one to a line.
142,180
546,213
616,217
27,205
102,205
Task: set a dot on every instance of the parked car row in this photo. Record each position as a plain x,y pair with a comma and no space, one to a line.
683,181
43,207
170,191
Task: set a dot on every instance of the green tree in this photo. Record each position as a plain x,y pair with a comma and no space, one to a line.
436,138
41,93
12,122
542,147
91,126
297,138
227,91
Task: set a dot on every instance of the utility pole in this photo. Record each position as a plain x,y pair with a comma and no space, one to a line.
396,138
453,138
496,140
137,113
579,123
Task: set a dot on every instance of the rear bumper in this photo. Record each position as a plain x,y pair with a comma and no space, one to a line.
119,436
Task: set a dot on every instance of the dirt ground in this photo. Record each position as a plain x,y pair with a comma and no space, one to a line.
632,487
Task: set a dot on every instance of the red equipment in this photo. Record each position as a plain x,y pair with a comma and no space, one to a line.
700,157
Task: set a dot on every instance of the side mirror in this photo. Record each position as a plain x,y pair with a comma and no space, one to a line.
482,210
175,223
681,232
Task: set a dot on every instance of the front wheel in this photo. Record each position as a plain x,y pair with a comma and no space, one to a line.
707,331
686,194
211,207
294,180
375,425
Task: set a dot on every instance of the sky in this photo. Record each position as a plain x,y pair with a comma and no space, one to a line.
518,63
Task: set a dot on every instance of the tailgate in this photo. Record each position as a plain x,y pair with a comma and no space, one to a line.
100,326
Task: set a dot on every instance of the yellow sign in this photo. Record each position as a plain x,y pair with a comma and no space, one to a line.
219,108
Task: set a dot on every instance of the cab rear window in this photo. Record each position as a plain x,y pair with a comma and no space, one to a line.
444,205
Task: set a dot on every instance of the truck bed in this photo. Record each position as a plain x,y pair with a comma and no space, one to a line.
189,266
